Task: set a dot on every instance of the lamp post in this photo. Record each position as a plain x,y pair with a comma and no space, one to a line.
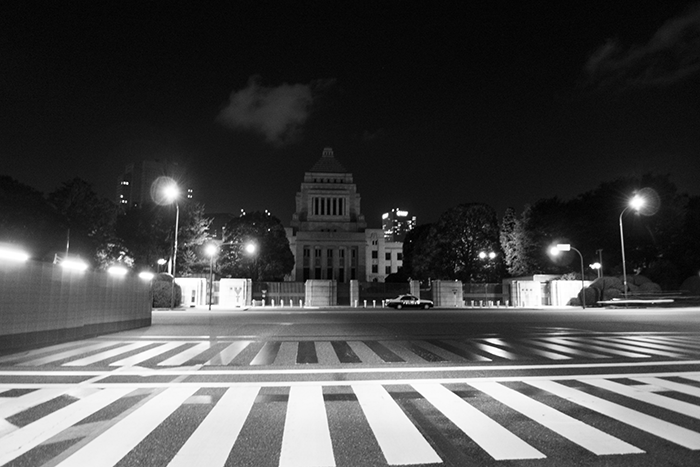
211,249
635,203
566,247
171,193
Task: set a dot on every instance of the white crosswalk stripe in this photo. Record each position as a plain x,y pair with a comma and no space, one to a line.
173,353
211,443
663,429
402,438
493,438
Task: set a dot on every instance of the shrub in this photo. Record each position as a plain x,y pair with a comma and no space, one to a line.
162,289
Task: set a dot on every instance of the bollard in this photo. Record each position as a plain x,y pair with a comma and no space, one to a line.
273,302
374,304
365,306
301,303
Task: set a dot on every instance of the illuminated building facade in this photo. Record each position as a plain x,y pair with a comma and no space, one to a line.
396,224
328,234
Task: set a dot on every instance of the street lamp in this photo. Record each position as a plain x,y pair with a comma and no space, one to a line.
211,250
555,250
171,193
636,203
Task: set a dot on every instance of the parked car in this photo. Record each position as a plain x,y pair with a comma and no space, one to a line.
409,301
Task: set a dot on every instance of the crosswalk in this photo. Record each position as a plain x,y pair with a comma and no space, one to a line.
160,352
474,421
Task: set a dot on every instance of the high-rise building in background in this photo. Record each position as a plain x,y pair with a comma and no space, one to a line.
397,224
135,184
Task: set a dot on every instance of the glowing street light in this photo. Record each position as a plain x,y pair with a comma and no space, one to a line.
637,202
251,248
146,275
489,255
74,264
117,270
171,193
16,255
555,250
211,249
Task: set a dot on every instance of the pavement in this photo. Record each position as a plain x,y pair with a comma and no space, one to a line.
357,387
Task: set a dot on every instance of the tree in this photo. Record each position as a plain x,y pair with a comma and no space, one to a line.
89,221
511,237
273,258
28,220
451,249
145,233
192,234
412,245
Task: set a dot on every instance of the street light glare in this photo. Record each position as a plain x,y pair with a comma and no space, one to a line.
554,251
74,264
211,249
250,248
117,270
171,192
637,202
13,254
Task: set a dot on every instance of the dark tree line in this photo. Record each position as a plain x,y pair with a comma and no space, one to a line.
74,219
662,246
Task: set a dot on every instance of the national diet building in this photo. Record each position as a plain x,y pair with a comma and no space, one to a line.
328,234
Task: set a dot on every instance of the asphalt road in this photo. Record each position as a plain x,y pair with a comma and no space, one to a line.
363,387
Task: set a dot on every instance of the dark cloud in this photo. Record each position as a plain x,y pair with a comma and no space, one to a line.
277,113
671,55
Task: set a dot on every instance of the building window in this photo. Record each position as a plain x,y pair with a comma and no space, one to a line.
387,256
375,269
399,256
375,254
387,270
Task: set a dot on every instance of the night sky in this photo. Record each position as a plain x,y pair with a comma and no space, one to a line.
428,104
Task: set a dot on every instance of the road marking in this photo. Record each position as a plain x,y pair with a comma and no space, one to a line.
583,344
626,346
150,353
497,441
673,386
185,355
306,441
399,439
532,350
109,447
227,355
108,354
212,441
642,342
67,354
26,438
574,430
18,404
658,400
496,351
655,426
44,350
545,342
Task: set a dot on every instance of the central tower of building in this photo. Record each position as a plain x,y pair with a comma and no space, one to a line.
328,234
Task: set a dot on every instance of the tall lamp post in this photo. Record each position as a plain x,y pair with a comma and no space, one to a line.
211,250
566,247
171,193
635,203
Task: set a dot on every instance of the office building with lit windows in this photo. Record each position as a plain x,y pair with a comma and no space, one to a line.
328,234
396,224
134,185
